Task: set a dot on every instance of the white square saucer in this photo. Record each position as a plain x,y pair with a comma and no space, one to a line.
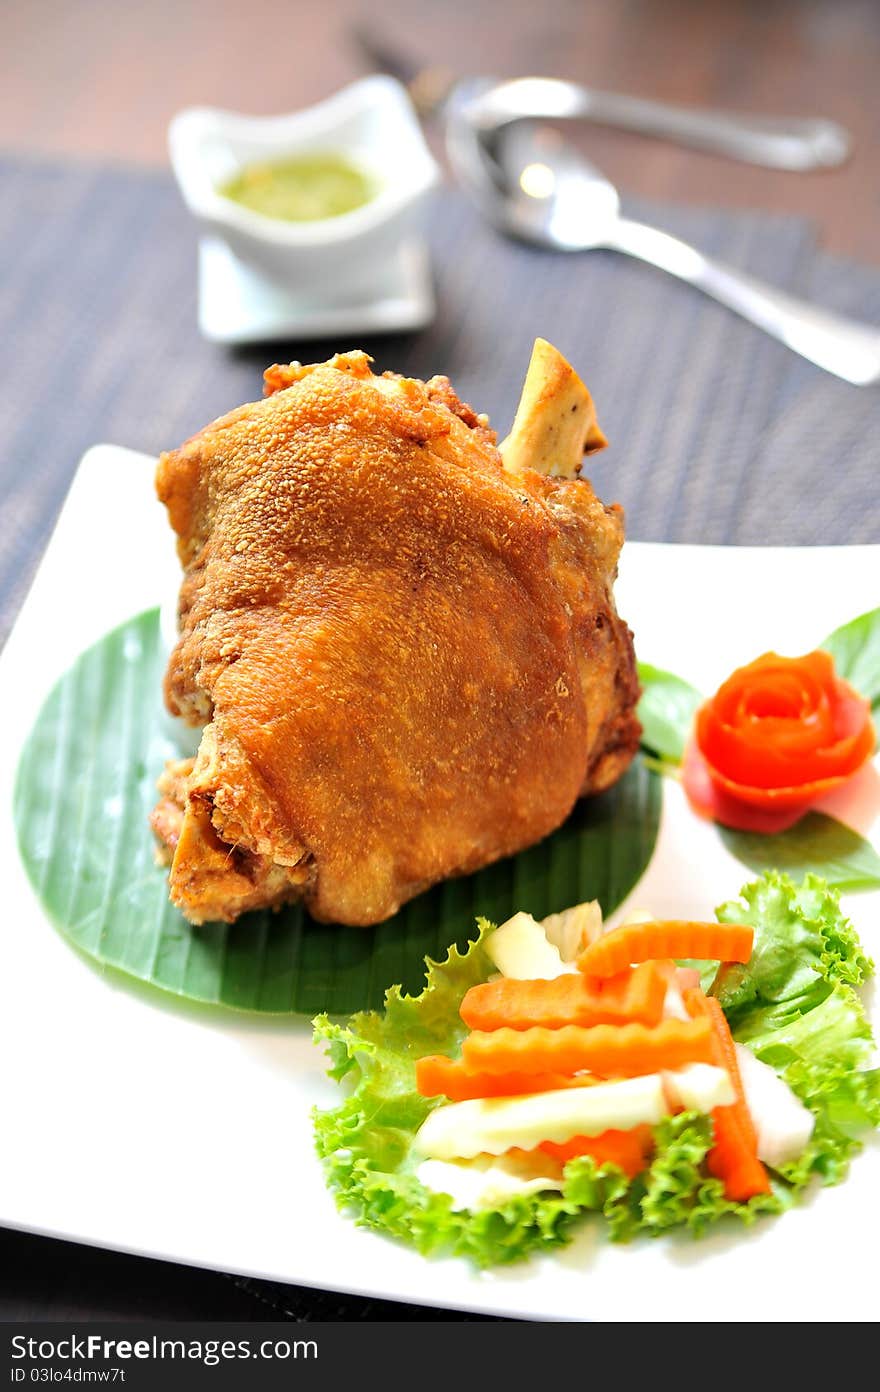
239,304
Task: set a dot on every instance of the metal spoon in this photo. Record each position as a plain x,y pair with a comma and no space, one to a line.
533,185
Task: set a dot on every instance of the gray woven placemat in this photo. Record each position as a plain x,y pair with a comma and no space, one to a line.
718,434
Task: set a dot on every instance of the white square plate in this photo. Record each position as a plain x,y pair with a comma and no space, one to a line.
133,1122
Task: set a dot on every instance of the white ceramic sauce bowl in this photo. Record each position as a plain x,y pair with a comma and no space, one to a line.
373,122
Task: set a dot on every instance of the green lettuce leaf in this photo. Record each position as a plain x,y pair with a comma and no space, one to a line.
795,1005
803,942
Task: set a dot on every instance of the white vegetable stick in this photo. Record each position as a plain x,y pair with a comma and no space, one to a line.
519,949
492,1125
574,929
485,1183
698,1087
782,1122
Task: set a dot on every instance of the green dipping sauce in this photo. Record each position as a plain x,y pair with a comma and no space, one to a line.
301,189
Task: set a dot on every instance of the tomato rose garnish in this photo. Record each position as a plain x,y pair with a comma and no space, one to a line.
778,735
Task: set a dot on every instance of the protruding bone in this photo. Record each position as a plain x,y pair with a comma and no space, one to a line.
555,423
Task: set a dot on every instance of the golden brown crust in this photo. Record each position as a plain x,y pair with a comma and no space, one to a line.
409,659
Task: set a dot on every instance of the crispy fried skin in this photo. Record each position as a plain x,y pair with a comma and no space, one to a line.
407,659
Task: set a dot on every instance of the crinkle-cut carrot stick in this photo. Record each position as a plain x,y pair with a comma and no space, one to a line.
572,999
630,1150
639,942
439,1076
734,1154
641,990
697,1004
731,1160
613,1051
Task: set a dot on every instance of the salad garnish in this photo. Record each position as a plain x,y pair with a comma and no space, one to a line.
490,1115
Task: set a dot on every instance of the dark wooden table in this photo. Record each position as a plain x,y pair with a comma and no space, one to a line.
93,79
